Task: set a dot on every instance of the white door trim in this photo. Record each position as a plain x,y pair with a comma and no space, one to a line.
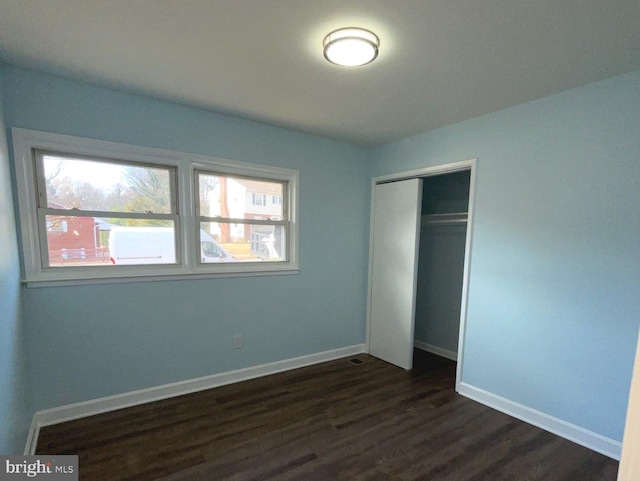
450,168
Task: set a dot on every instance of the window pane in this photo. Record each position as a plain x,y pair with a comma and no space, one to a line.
89,241
75,241
239,198
142,245
106,186
243,242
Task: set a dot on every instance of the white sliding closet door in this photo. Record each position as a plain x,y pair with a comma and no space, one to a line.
396,229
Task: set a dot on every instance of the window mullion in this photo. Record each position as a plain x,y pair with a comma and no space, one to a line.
173,191
286,213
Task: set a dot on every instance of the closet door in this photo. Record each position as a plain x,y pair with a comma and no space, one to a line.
396,229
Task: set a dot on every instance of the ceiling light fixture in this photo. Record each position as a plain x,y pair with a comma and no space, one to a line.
351,47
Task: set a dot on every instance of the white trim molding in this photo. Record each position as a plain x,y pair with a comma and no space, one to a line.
438,351
472,166
576,434
83,409
32,438
185,218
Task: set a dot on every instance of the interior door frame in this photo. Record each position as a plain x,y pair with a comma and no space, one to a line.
442,169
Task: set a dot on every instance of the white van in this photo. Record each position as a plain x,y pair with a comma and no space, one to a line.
155,245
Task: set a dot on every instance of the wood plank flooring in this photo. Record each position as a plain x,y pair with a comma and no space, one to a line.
333,421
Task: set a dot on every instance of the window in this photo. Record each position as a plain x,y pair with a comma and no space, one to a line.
77,197
258,199
276,199
238,226
94,211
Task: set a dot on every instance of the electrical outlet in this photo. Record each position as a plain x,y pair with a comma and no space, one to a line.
237,341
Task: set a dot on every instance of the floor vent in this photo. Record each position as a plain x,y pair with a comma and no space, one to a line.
355,361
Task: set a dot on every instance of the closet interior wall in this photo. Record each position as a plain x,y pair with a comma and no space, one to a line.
445,203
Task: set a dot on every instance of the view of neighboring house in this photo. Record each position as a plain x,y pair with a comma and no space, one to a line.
74,239
249,199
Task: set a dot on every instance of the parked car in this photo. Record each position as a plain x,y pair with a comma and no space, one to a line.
156,245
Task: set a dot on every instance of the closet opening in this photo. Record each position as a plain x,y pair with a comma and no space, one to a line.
441,255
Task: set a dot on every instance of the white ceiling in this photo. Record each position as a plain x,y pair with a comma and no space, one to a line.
441,61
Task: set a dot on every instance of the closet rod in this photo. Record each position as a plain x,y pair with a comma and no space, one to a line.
444,219
447,215
449,221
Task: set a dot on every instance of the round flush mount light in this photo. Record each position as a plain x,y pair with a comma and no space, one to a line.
351,47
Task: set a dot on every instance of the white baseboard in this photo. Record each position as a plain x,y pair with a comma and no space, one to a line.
70,412
578,435
32,438
438,351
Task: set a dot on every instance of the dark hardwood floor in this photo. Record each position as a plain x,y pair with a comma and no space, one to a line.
333,421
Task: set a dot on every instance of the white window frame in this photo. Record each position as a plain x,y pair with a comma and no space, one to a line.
43,209
35,274
281,221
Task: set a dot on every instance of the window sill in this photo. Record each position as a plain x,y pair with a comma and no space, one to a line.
59,282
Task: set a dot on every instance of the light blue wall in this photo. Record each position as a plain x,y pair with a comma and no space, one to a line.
15,395
554,300
553,304
92,341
